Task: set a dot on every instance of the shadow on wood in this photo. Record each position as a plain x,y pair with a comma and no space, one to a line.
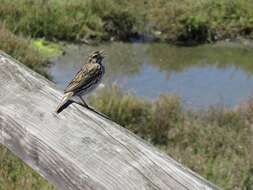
79,149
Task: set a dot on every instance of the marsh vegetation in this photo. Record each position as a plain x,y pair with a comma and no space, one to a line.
189,21
215,142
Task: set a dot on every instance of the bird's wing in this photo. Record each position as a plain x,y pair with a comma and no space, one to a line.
84,78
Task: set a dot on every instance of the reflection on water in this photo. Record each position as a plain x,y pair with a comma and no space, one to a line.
201,76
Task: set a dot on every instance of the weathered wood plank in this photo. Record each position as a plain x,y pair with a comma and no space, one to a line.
79,149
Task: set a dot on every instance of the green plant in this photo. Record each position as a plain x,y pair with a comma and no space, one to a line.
166,115
21,49
195,29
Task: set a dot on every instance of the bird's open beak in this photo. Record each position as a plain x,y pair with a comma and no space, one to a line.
102,53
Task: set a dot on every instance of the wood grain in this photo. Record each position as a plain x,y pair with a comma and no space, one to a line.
79,149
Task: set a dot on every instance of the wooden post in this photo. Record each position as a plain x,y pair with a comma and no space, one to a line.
79,149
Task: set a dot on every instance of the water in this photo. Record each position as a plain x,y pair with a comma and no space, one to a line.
202,76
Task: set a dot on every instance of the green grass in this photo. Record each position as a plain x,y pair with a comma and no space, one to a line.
67,20
21,49
14,174
187,21
47,49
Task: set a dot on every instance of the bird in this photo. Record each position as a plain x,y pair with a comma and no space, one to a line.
85,81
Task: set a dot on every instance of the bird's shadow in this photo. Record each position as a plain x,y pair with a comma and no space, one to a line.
93,110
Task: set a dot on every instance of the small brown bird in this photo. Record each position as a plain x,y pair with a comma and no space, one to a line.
86,80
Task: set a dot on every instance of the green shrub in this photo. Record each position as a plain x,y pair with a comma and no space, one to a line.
195,29
166,115
120,24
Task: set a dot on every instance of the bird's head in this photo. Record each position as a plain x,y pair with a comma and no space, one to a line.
96,57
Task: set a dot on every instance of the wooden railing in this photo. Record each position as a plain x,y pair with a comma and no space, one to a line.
79,149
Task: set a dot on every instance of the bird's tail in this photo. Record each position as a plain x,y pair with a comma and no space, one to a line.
65,102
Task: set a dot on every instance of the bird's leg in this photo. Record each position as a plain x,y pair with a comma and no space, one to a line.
83,102
90,108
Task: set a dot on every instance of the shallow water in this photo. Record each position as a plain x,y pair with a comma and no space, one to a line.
202,75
